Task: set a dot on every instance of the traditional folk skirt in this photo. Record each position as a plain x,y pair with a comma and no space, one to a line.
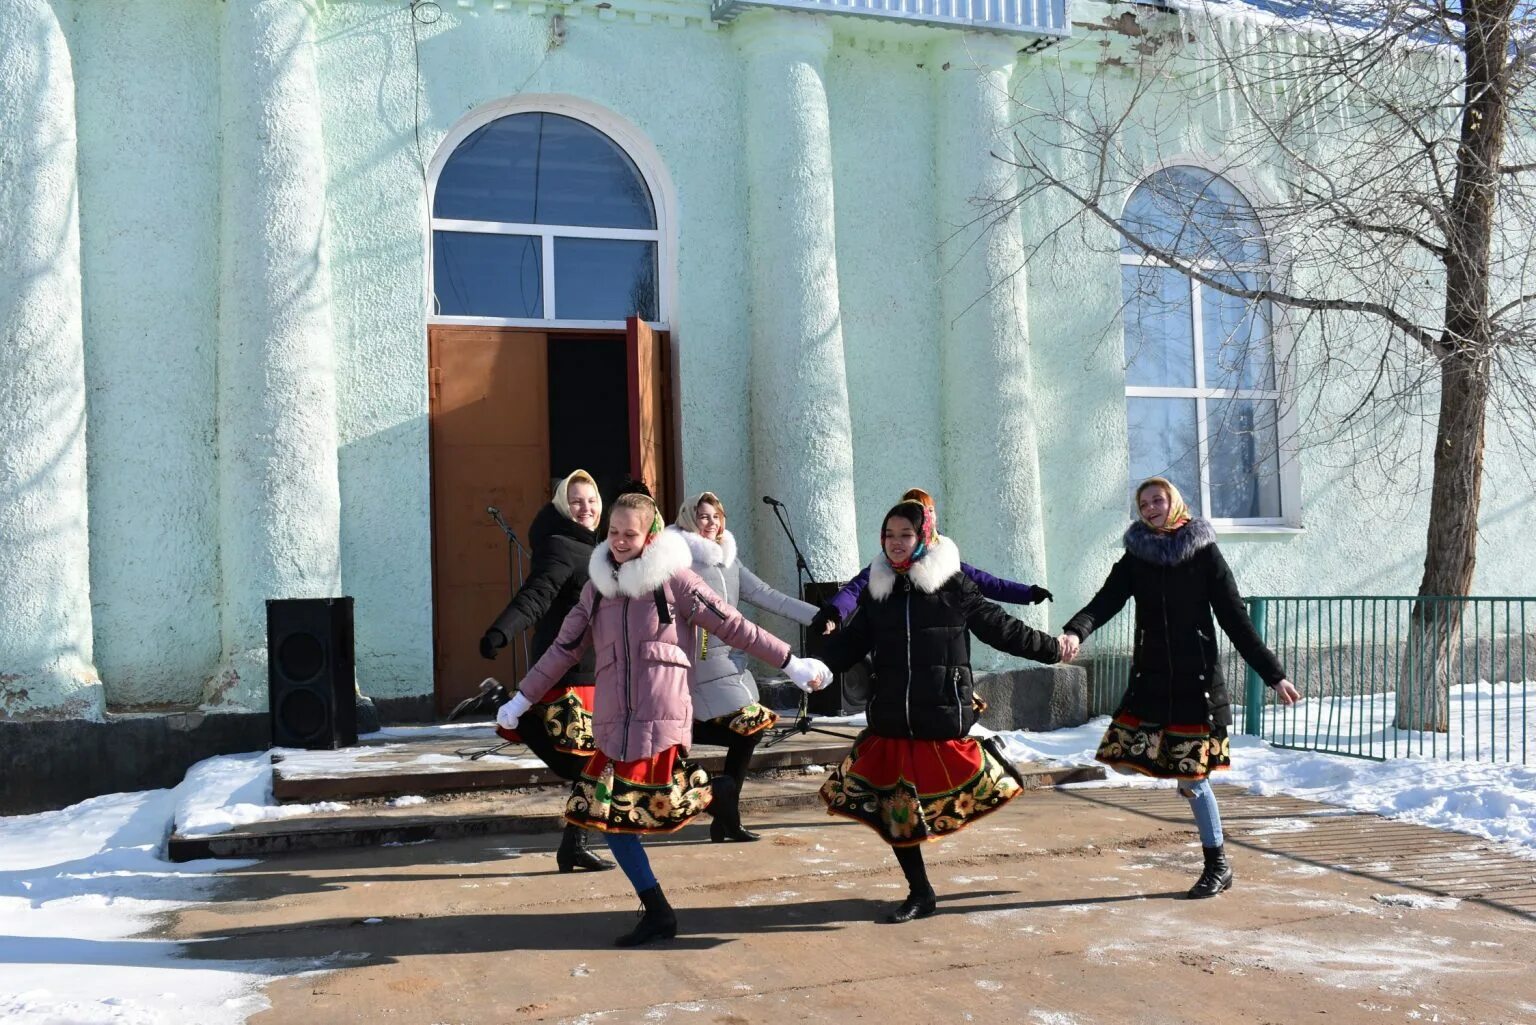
910,791
1167,752
745,722
564,716
659,794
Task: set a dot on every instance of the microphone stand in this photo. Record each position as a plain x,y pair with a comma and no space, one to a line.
515,553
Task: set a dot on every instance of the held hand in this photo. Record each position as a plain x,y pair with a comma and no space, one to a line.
808,674
508,715
1288,693
824,622
1069,645
1038,594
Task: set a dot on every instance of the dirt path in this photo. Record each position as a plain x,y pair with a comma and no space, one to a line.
1062,909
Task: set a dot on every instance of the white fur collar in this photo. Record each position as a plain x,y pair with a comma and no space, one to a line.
656,565
940,562
710,553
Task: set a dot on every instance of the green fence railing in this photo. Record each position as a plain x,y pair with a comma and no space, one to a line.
1381,676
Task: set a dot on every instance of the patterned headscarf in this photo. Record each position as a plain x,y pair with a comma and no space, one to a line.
1178,512
930,525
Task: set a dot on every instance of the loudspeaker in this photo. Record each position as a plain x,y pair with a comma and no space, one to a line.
848,692
311,680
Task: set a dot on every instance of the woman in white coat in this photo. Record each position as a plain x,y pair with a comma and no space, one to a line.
726,711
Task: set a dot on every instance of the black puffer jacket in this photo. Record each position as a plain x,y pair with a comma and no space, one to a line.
561,550
1178,581
919,627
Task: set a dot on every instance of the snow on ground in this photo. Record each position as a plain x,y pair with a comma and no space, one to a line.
1484,798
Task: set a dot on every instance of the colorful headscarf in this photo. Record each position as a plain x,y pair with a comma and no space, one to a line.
922,519
1178,512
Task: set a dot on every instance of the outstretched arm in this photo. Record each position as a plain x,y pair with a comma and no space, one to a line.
570,644
1001,589
702,608
766,598
553,563
1109,601
846,600
997,628
850,644
1227,604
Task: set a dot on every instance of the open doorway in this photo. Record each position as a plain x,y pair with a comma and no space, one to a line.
513,410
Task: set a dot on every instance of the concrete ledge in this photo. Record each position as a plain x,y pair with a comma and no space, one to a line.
48,764
1038,698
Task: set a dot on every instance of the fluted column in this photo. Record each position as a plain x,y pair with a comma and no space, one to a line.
802,437
45,606
279,500
991,465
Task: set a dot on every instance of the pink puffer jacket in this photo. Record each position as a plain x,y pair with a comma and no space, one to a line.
642,699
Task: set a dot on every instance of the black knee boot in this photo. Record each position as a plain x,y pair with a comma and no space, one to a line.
921,900
573,853
725,806
1217,875
657,922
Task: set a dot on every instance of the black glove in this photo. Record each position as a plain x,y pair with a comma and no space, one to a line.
1038,594
492,640
826,614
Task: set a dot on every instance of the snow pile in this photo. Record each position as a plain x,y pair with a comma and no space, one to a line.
80,888
220,794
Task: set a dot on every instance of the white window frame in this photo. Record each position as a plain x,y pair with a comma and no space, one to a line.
1289,520
633,143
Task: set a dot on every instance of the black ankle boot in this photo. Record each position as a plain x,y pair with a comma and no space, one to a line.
657,922
917,905
725,806
573,853
1217,875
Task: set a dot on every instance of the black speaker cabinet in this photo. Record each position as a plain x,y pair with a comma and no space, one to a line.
848,691
311,682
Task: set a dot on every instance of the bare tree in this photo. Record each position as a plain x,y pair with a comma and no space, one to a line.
1398,142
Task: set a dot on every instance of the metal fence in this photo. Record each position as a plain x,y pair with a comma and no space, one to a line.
1381,676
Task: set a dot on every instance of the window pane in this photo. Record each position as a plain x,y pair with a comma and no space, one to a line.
478,275
543,169
1243,441
1164,444
491,175
604,279
585,179
1159,328
1196,214
1235,338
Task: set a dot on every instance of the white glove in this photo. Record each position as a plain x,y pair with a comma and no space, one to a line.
809,674
508,714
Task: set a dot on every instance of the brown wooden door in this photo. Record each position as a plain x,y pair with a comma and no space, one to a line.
490,447
650,412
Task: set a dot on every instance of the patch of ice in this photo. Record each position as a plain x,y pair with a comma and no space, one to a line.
408,801
1417,901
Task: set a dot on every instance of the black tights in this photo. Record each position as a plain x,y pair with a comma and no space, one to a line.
738,749
911,860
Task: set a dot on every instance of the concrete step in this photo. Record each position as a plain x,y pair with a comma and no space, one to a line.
538,809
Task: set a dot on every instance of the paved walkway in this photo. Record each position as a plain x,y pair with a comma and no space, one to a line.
1062,909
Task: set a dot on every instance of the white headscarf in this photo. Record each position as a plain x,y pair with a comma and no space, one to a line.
562,501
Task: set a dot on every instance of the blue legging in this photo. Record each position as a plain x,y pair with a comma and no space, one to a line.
630,854
1202,799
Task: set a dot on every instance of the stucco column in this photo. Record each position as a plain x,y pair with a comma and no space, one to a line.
279,500
45,606
991,502
802,437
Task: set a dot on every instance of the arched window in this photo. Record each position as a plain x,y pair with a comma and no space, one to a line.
1201,392
540,217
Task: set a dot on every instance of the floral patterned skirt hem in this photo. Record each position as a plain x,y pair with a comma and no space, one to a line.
660,794
912,791
565,716
746,721
1187,752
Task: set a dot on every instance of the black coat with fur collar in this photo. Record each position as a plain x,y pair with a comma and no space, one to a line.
561,550
918,626
1178,580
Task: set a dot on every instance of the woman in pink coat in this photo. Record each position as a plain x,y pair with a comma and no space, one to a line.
640,606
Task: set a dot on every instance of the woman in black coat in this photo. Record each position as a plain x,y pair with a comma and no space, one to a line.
915,774
558,729
1172,722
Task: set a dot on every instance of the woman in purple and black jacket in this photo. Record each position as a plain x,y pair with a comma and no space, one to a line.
836,611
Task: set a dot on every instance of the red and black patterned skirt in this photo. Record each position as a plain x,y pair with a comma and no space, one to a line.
1167,752
910,791
747,721
659,794
565,716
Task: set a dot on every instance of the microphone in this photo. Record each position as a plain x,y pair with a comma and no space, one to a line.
772,501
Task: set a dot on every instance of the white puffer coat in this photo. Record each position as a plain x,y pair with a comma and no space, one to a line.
720,682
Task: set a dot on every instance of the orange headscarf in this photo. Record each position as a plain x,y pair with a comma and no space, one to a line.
1178,511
